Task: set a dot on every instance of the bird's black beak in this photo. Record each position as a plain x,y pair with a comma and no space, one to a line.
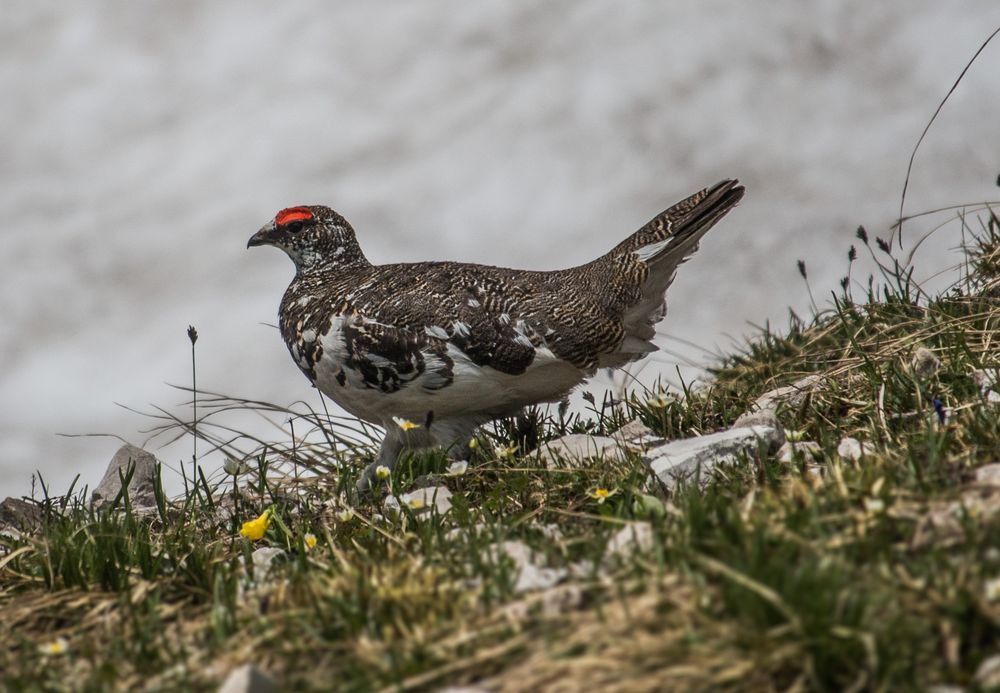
262,237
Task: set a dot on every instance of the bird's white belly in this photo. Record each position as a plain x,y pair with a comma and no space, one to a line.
474,390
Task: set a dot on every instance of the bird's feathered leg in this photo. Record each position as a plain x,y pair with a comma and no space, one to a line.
454,434
451,434
392,445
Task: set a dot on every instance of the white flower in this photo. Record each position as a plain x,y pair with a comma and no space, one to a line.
658,402
404,424
382,472
345,515
235,467
457,468
56,647
991,589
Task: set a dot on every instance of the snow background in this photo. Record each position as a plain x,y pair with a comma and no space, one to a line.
141,144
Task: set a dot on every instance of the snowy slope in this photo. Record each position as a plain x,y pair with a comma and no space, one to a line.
141,145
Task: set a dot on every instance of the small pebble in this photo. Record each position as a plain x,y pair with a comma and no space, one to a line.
851,449
924,363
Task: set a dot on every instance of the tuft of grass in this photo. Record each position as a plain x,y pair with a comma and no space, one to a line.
833,574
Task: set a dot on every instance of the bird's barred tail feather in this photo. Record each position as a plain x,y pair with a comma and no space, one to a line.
660,247
680,226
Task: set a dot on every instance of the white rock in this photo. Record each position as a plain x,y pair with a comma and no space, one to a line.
248,679
576,447
422,500
988,673
993,397
924,363
629,540
791,395
984,380
263,558
808,449
551,532
814,472
140,487
562,599
988,475
636,434
761,417
18,513
684,459
531,575
852,449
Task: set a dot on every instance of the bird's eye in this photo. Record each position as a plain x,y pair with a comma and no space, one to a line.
293,226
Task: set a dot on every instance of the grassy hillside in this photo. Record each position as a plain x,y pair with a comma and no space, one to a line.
819,571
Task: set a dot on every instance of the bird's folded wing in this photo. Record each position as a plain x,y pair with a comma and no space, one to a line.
392,356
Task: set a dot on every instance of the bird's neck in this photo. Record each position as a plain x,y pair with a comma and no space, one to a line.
342,258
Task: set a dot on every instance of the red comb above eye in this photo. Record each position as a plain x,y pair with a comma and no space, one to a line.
287,216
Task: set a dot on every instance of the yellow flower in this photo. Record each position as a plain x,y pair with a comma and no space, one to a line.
602,494
473,444
310,540
405,424
56,647
255,529
382,472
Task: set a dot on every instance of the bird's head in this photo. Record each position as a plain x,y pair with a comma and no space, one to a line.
312,236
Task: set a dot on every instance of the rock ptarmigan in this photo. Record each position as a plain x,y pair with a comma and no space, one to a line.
451,345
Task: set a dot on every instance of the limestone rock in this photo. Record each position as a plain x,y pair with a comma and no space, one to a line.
531,573
263,560
852,449
630,539
576,447
924,363
791,395
140,487
988,673
248,679
988,475
20,514
984,380
636,434
761,417
679,460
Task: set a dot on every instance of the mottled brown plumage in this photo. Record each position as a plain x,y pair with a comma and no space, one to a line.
460,344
